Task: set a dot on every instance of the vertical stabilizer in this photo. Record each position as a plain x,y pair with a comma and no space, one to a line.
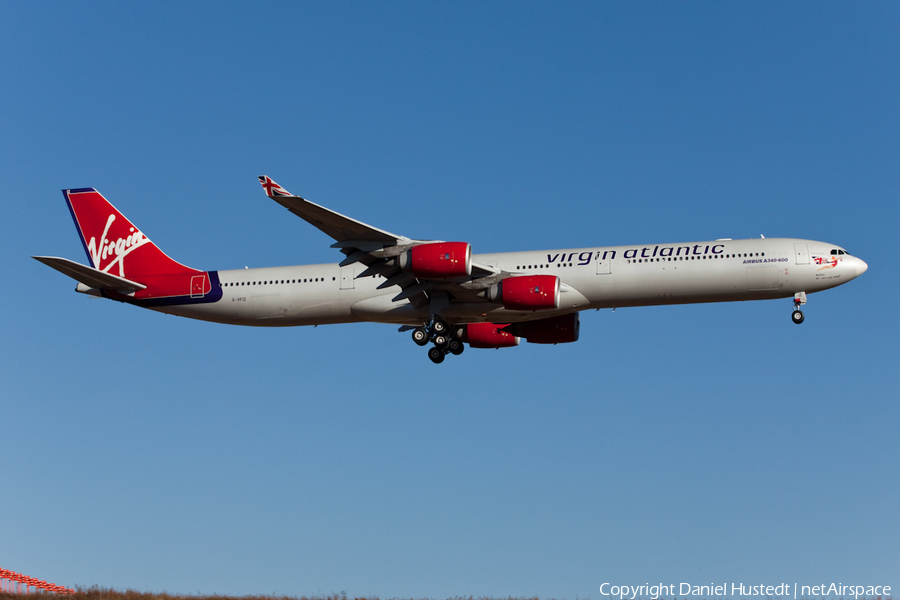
113,244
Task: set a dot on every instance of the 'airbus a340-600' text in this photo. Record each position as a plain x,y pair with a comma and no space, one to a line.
442,292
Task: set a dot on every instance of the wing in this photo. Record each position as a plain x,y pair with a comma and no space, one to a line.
341,228
381,251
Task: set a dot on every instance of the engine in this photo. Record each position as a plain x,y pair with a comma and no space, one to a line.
486,335
527,292
556,330
443,260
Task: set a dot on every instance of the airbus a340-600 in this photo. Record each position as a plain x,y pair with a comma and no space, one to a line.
442,292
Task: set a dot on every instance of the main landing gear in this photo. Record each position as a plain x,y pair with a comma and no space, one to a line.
799,300
438,333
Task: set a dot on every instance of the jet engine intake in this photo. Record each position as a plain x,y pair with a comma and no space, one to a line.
442,260
526,292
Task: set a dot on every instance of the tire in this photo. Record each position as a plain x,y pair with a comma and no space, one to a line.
436,355
456,347
439,326
441,341
420,336
797,317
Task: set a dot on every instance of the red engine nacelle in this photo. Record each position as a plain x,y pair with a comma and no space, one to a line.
442,260
527,292
486,335
555,330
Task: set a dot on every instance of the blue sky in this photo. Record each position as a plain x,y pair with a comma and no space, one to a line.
670,444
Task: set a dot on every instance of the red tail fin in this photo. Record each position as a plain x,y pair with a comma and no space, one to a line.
113,244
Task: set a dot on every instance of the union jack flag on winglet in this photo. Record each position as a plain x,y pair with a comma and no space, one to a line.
272,188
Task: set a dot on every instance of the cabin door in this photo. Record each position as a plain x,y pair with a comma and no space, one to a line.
348,282
604,266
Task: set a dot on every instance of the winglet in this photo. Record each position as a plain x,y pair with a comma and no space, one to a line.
272,189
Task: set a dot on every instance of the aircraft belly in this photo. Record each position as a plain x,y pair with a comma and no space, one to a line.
322,307
382,309
272,309
762,279
676,284
636,285
270,305
216,312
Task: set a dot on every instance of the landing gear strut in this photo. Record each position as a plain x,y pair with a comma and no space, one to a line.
799,300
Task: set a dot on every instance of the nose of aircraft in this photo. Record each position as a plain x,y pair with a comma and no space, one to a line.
861,266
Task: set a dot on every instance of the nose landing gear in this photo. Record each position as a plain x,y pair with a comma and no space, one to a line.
799,300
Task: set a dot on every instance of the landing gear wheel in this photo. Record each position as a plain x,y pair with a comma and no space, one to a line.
420,336
797,316
439,326
456,347
436,355
441,341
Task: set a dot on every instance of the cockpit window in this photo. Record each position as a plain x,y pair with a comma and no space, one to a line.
841,252
833,251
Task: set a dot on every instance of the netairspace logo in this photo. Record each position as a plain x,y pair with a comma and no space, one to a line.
782,590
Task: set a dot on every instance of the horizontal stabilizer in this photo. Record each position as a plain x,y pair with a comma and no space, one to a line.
90,276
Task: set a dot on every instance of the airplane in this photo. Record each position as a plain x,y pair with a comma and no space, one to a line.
440,291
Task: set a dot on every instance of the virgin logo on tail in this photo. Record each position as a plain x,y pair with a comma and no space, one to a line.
109,237
115,251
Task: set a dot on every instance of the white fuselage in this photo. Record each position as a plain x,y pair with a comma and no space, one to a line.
618,276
